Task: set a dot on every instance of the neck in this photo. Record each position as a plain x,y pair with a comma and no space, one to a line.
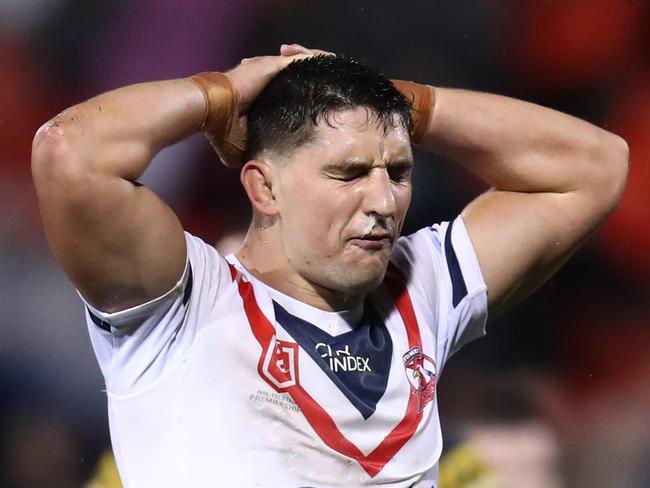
262,255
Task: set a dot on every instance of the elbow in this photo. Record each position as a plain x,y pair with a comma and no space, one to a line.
48,146
52,157
610,165
618,160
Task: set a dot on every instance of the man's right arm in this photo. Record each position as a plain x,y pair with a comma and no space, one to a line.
116,240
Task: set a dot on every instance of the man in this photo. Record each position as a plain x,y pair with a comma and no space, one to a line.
310,357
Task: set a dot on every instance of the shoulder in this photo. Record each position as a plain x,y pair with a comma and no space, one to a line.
441,255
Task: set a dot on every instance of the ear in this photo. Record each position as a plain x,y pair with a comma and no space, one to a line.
257,178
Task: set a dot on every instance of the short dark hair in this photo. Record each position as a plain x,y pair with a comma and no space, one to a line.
304,93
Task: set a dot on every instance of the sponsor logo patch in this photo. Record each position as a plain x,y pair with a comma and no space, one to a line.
341,359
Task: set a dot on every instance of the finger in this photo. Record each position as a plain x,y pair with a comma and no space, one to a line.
292,49
307,50
314,52
287,60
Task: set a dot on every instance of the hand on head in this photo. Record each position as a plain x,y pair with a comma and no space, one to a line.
225,124
252,74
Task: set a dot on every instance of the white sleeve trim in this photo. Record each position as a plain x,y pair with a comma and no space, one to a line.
121,317
469,264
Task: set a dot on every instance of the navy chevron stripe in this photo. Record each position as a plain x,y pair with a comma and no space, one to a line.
459,289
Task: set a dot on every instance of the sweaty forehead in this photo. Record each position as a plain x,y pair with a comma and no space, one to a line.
357,134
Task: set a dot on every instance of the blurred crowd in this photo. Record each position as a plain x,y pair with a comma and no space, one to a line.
557,394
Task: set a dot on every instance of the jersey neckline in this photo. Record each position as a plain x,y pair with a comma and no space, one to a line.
333,323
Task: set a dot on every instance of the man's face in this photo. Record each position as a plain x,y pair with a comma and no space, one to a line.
342,199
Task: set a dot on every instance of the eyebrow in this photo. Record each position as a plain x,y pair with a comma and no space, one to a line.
353,166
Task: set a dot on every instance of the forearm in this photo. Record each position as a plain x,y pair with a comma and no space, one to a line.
118,133
556,179
518,146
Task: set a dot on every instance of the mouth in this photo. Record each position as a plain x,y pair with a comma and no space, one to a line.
376,241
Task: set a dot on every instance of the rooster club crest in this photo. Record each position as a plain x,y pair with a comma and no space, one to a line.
421,373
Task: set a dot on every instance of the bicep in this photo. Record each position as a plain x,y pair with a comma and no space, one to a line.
117,241
521,239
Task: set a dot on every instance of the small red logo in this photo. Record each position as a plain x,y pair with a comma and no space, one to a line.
280,364
421,374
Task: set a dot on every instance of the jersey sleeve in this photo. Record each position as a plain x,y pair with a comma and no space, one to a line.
444,275
138,346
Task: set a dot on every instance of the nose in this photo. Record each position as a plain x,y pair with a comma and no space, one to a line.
379,195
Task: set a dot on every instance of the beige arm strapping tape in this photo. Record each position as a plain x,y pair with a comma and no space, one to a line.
221,123
423,100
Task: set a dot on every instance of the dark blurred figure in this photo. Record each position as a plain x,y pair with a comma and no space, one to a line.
39,451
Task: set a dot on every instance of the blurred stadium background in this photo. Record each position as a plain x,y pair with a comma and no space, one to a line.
557,395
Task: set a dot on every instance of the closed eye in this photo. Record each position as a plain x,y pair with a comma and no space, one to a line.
350,176
398,172
347,172
401,171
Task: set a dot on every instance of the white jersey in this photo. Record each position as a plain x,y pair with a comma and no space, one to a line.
224,381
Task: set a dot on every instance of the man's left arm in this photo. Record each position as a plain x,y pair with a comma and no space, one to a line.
554,179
